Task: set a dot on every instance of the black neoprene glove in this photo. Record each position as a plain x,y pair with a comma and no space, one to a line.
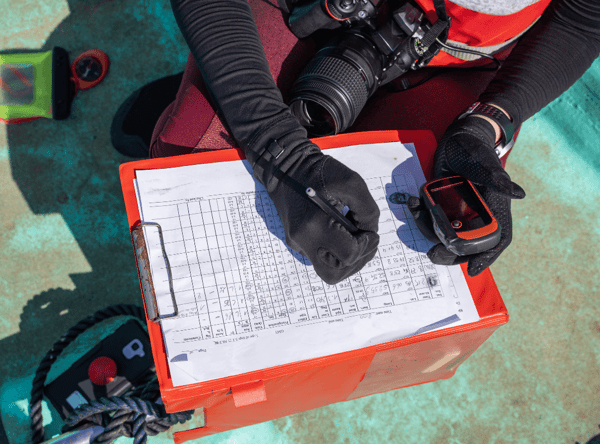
467,149
334,252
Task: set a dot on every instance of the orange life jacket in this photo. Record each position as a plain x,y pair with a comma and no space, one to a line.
479,31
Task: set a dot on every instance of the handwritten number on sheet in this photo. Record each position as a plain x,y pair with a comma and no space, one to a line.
249,280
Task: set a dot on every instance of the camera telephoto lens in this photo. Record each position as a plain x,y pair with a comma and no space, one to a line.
321,121
331,91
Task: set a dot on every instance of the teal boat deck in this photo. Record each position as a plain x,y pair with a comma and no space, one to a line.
65,252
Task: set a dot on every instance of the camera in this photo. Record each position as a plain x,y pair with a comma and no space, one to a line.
333,88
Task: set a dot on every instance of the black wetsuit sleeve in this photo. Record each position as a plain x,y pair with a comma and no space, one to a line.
224,41
548,59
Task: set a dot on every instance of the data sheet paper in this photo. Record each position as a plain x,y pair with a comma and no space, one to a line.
247,302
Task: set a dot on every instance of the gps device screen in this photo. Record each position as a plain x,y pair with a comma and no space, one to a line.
460,203
461,219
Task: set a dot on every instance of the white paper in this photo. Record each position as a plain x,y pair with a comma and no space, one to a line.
247,302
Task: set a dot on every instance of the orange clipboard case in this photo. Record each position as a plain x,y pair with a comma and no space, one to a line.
270,393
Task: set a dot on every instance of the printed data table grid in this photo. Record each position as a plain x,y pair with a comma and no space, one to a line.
236,274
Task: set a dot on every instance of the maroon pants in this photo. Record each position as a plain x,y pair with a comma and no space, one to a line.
190,124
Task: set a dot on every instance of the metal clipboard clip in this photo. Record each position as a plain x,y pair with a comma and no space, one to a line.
143,262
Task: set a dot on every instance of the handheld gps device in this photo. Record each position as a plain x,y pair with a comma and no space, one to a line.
461,219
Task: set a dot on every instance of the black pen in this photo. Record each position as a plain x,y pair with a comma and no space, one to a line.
331,210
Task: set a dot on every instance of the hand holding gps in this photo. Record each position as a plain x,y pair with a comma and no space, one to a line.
468,149
461,219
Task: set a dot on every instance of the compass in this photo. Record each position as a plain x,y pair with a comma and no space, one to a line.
89,69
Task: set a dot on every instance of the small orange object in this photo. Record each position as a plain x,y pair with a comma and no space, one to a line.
102,370
89,68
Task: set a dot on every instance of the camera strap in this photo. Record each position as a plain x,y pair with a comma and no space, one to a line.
440,9
439,30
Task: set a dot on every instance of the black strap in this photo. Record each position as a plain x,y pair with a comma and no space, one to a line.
439,30
440,9
436,31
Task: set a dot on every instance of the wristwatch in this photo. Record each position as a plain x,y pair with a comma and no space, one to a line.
505,124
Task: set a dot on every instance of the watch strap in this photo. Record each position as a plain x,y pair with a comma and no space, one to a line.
507,128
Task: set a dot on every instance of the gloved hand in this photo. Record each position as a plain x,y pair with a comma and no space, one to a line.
334,252
467,149
286,162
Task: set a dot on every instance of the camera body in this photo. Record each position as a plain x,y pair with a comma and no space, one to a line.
333,88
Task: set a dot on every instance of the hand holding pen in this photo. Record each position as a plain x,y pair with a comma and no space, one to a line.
309,198
331,210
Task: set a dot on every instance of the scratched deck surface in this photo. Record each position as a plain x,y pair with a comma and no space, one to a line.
65,252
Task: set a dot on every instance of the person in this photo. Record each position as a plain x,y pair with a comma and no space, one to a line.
227,96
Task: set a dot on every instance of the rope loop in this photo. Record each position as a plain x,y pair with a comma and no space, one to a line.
132,415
